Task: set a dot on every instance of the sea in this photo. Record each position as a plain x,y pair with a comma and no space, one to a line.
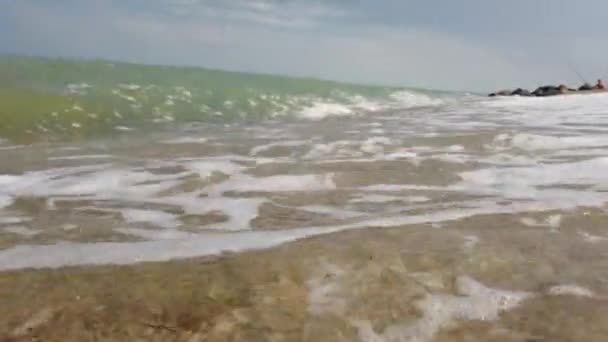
112,163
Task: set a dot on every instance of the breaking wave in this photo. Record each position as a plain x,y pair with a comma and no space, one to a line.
57,98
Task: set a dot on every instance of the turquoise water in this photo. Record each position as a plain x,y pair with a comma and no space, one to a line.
45,98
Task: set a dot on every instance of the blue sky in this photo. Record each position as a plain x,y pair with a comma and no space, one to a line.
448,44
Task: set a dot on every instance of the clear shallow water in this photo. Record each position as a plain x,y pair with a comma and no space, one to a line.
196,189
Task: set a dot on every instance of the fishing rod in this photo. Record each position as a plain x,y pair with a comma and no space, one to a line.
577,73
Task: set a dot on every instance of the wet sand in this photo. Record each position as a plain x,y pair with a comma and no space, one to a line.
540,276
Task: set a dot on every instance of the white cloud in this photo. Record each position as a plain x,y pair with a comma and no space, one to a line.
296,14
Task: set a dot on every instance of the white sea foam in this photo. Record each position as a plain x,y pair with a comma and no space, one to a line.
241,212
89,181
451,158
107,184
475,301
78,88
5,201
504,159
206,168
455,148
401,187
263,148
67,253
532,142
590,238
21,230
522,182
123,96
336,149
129,86
404,154
186,140
570,290
553,221
332,211
153,234
287,183
123,128
561,112
375,199
13,219
69,227
321,110
154,217
410,99
361,102
83,157
349,150
375,145
384,199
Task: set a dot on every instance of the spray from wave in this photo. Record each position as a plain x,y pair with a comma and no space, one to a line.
358,104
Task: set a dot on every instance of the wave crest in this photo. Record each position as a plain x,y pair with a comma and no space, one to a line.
360,104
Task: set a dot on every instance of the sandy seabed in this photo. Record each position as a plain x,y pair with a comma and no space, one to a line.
526,277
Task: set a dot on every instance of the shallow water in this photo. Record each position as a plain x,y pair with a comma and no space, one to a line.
489,277
505,197
205,188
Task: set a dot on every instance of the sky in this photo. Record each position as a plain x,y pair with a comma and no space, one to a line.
476,45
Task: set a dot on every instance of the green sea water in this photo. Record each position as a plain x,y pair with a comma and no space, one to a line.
58,99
